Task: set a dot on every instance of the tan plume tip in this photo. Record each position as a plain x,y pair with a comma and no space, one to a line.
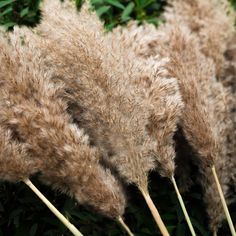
38,122
204,18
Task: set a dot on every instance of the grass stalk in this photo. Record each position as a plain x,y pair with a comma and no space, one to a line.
222,198
183,207
155,213
124,225
62,218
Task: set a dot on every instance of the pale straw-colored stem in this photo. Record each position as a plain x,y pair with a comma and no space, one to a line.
222,198
214,233
125,226
183,207
62,218
154,212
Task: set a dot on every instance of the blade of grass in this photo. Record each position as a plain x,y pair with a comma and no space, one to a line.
5,3
183,207
222,198
62,218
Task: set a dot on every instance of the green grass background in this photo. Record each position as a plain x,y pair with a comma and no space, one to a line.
23,214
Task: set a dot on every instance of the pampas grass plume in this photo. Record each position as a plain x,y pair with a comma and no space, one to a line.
35,116
112,115
163,94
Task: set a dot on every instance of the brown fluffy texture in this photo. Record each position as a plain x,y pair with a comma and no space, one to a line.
141,41
105,106
150,77
35,122
205,121
205,19
15,165
121,90
229,81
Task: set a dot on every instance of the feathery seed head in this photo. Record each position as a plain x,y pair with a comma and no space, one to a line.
100,102
33,111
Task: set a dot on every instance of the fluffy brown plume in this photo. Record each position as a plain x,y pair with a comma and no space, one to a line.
158,94
117,115
15,164
205,120
105,106
228,79
140,43
150,77
36,126
204,19
126,99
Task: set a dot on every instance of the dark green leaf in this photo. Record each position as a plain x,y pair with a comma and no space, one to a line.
5,3
199,227
6,11
33,230
180,231
102,10
97,2
116,3
127,11
24,12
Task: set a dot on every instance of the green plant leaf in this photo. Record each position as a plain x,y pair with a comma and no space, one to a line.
9,25
181,230
102,10
127,11
146,231
6,11
155,21
33,230
5,3
146,3
93,2
116,3
24,12
197,225
171,228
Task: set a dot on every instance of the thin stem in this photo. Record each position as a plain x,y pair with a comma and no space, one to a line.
183,207
62,218
222,198
214,233
124,225
154,212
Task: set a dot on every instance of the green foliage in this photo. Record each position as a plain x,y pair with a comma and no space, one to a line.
233,2
115,12
19,12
